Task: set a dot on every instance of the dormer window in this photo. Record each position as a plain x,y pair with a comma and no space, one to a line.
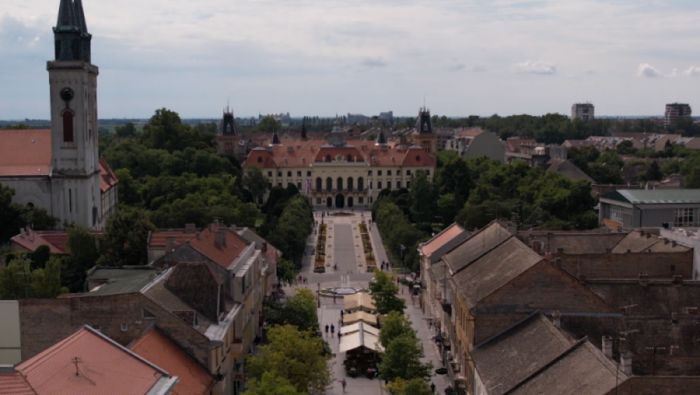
259,159
417,158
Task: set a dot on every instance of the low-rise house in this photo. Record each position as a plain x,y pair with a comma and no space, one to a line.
689,237
536,154
651,208
29,240
473,143
88,362
566,168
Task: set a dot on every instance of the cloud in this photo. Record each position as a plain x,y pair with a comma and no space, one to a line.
534,67
478,68
373,62
691,72
648,71
455,65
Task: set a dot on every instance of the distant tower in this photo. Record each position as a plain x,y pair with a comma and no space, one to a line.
583,111
228,137
381,139
75,182
275,140
424,136
337,136
675,110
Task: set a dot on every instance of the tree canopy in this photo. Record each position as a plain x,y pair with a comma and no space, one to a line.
298,311
402,360
385,294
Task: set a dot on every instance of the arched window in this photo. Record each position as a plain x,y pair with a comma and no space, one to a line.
329,184
328,158
67,126
319,184
339,183
360,184
349,158
351,184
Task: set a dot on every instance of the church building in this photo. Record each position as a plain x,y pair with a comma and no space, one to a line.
340,173
60,169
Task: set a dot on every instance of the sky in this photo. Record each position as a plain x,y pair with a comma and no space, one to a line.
322,57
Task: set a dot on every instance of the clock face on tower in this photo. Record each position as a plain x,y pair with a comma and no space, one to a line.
67,94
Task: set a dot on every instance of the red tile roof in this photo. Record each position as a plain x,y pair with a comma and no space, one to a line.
160,237
103,367
155,347
223,255
441,239
472,132
12,383
30,240
27,152
304,153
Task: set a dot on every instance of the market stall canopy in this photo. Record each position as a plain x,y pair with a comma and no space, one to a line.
350,329
362,302
362,337
360,316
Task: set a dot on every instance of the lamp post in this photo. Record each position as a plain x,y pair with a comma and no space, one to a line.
318,295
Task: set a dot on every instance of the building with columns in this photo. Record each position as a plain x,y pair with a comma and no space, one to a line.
341,173
60,169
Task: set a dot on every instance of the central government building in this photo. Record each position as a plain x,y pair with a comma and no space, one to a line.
339,173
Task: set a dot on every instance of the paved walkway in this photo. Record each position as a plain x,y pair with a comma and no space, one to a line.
346,255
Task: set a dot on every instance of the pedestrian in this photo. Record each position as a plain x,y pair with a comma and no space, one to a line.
332,330
432,387
397,280
326,329
333,298
344,384
341,314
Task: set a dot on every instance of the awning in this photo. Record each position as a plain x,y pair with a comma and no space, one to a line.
363,336
356,302
359,326
358,316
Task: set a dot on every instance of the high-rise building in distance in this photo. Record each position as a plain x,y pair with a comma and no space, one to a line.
675,110
582,111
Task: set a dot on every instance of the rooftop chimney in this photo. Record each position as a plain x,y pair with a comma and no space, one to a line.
556,319
220,238
626,363
608,347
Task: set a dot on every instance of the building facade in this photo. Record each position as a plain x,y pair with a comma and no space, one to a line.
60,169
343,173
583,111
667,208
675,110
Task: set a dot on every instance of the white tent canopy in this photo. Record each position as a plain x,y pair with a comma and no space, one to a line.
361,302
359,335
360,316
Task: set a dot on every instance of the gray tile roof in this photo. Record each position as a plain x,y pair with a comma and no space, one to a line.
494,269
481,242
573,242
584,370
655,196
121,280
636,242
514,355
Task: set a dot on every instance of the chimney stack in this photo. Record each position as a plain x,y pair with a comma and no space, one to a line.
556,319
626,363
608,347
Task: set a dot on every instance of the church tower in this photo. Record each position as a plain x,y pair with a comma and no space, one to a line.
228,138
424,135
75,167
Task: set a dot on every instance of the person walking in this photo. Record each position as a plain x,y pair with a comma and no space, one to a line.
326,329
332,330
432,387
344,384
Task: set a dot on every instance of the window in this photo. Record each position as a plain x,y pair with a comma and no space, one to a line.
308,174
369,172
408,184
388,184
361,199
388,172
351,184
269,174
339,183
408,172
398,184
417,158
289,174
279,184
618,214
686,217
328,158
370,200
427,172
125,327
299,186
370,184
349,158
319,184
67,126
398,172
379,172
318,200
279,174
329,184
379,184
360,184
259,159
299,173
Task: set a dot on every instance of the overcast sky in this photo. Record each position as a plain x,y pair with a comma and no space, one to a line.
319,57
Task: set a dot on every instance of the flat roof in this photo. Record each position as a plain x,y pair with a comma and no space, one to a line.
654,196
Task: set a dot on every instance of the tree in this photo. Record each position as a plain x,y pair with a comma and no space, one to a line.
271,384
654,172
626,148
423,198
126,131
255,182
298,311
19,281
402,359
84,254
385,294
125,239
40,256
286,273
295,356
415,386
693,179
268,125
394,325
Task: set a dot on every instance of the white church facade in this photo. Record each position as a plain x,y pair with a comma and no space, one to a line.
60,169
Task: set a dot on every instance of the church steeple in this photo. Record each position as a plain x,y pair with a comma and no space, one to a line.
275,139
71,37
381,140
